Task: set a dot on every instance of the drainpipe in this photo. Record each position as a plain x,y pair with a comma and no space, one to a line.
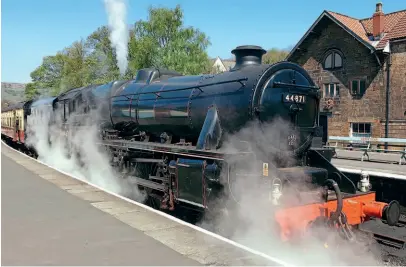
388,65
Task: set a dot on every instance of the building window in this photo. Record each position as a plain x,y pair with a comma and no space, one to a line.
360,129
333,60
331,90
358,87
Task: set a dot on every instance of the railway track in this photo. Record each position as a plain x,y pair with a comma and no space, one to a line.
390,244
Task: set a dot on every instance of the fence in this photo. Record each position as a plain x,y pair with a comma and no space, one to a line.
369,144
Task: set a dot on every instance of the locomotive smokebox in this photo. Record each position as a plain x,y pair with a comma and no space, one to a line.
247,55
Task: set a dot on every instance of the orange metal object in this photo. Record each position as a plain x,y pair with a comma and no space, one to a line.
357,209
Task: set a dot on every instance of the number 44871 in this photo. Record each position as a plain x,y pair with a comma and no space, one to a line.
295,98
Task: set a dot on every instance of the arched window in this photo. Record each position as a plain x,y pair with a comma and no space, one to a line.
333,60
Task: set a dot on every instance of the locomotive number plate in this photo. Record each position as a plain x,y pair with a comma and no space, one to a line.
292,98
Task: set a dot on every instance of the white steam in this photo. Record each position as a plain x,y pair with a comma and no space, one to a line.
250,216
119,36
81,156
250,220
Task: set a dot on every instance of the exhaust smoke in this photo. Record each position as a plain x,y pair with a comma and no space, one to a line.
249,218
250,215
81,156
119,35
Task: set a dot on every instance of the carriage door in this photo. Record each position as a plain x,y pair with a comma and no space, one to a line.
15,125
18,129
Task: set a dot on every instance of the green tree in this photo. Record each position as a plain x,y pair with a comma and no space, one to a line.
75,71
274,55
101,61
49,74
163,41
31,91
160,41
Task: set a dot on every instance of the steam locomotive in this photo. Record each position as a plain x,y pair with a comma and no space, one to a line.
171,134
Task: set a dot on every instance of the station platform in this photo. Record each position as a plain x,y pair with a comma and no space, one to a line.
43,225
378,157
49,218
370,166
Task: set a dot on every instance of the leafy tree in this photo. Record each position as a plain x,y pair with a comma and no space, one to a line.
50,73
31,90
274,55
75,69
102,62
160,41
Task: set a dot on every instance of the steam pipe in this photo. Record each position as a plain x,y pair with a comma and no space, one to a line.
389,63
337,191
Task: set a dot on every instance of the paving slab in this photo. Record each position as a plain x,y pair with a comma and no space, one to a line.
50,218
43,225
373,156
370,166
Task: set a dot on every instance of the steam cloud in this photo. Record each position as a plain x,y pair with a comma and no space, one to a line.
81,157
119,36
249,218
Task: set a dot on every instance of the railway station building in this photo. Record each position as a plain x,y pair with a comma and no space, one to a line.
360,64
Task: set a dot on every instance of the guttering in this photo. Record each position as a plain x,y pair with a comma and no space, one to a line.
398,40
388,66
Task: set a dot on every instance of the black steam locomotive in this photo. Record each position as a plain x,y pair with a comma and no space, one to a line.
176,124
172,134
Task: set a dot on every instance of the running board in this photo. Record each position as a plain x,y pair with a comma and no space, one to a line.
147,183
147,160
162,179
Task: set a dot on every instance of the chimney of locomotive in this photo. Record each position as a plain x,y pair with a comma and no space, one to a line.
247,55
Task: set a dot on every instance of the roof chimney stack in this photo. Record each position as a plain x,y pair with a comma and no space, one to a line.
378,22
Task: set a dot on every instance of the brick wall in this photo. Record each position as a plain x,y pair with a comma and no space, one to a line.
398,82
397,129
357,62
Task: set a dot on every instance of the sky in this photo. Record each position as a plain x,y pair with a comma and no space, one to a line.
33,29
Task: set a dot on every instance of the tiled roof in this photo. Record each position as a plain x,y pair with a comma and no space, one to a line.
352,24
394,26
390,20
399,30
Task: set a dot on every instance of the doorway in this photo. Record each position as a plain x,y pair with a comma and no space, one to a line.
323,120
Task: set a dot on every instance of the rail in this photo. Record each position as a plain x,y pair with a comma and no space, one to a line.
369,144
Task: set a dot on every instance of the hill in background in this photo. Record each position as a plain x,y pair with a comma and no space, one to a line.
12,93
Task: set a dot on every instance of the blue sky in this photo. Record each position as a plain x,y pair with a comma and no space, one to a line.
32,29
